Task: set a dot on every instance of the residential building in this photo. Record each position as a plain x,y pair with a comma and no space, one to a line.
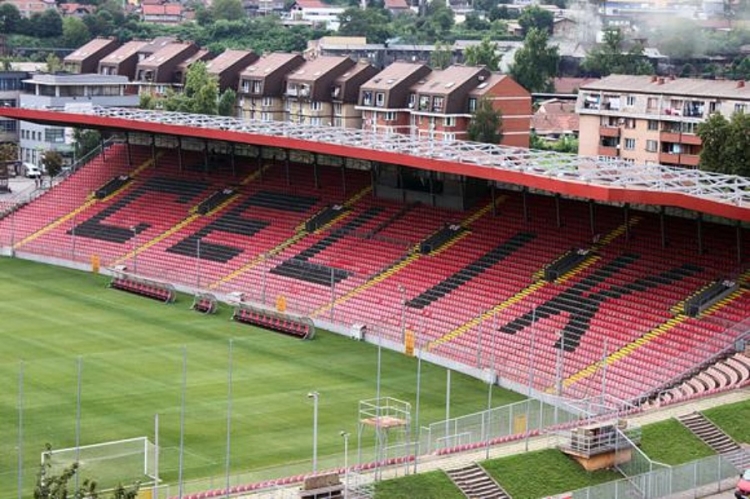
122,61
384,99
511,100
75,10
345,95
226,67
317,13
11,83
443,104
180,72
159,71
555,119
261,89
263,7
308,96
66,91
397,7
86,59
649,119
29,7
167,13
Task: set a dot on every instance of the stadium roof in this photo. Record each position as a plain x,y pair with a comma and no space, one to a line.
586,177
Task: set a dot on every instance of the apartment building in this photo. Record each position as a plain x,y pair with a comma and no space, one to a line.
384,99
345,95
11,83
262,86
159,71
226,67
66,91
308,97
649,119
86,59
122,61
511,100
181,70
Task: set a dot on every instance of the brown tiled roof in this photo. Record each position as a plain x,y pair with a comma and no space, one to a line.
312,4
169,9
689,87
392,75
354,71
445,81
226,60
314,69
91,47
396,4
487,84
268,64
163,55
569,85
555,117
127,50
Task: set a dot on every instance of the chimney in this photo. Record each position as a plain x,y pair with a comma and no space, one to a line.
653,79
671,77
741,84
661,81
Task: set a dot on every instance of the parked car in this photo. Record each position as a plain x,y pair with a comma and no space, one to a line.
31,170
743,486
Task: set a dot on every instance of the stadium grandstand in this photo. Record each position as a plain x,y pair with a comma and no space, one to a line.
560,274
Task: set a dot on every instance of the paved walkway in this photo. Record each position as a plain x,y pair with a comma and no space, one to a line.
431,463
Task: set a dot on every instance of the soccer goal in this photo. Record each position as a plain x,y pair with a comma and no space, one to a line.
109,463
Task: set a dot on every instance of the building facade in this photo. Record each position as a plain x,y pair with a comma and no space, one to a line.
11,83
262,87
66,91
649,119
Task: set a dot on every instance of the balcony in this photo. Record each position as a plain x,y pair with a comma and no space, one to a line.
680,138
612,152
670,158
609,131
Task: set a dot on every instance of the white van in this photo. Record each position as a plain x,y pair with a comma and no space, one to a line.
31,170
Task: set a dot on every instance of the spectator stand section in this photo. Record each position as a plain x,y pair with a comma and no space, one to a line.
279,321
143,286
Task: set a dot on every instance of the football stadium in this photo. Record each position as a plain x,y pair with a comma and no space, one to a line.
214,307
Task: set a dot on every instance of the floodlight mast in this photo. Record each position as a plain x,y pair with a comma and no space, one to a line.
315,396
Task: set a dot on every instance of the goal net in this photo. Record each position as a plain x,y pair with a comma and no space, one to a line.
109,463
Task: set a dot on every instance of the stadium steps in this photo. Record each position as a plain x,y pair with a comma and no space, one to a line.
715,438
474,482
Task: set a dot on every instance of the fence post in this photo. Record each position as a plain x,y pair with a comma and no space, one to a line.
718,474
695,480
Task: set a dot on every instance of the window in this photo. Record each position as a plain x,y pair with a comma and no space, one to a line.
449,137
412,100
266,116
630,101
390,116
8,126
54,135
367,98
379,99
437,104
653,125
267,102
338,122
652,104
651,145
449,121
424,102
472,104
629,144
315,121
713,107
316,105
739,108
630,123
337,109
8,103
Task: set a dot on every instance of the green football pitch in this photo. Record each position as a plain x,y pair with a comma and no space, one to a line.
63,333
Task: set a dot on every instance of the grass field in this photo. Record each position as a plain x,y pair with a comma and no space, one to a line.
130,354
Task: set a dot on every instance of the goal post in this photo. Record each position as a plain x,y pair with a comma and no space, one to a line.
109,463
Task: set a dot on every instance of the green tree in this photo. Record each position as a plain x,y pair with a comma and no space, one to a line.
535,64
10,18
200,94
8,152
483,54
48,24
52,161
54,64
475,23
486,124
726,144
227,103
611,57
441,57
85,141
536,17
372,23
227,9
75,32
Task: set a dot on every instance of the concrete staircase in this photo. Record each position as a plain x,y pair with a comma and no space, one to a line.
475,483
719,441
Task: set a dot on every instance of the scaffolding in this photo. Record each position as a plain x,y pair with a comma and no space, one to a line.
390,420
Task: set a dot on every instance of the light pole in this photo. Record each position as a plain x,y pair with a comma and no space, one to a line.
134,230
345,436
197,264
315,396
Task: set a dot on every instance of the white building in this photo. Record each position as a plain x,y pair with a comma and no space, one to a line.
45,91
317,13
